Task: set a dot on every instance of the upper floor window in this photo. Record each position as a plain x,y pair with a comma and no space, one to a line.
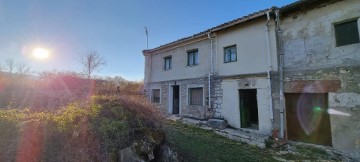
155,95
346,33
167,63
230,54
196,96
193,58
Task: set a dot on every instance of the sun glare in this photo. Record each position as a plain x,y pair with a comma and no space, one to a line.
40,53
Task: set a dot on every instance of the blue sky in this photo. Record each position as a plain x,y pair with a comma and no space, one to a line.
114,28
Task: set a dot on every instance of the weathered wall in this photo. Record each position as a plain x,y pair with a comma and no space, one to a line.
309,41
186,110
311,57
250,40
230,109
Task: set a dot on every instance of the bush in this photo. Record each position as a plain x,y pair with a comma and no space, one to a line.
94,130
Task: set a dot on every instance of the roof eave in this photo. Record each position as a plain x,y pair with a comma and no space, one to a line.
211,30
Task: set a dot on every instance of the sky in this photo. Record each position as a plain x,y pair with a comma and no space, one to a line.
113,28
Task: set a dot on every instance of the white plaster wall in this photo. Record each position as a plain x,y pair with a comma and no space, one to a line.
179,69
309,39
251,43
230,105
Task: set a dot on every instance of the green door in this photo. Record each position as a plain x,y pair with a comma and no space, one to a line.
244,109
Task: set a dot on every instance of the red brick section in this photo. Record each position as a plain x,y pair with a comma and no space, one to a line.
313,86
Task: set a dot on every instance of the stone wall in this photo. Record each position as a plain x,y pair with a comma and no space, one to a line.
216,96
186,110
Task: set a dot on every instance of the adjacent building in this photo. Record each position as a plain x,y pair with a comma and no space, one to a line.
321,67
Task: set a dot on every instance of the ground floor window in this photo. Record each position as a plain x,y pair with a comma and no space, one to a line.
156,96
196,96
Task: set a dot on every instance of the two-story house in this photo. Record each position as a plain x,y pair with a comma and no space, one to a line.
223,72
321,67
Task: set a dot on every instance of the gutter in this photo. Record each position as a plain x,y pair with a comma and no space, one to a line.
211,69
269,65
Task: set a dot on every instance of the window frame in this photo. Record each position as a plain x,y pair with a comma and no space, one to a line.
230,58
165,68
336,28
194,54
153,95
190,101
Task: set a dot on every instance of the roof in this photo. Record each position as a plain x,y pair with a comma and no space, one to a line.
213,29
305,5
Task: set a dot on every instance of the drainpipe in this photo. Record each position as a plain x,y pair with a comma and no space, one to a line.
281,66
211,69
269,65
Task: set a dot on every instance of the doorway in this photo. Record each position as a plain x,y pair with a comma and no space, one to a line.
249,117
175,99
307,119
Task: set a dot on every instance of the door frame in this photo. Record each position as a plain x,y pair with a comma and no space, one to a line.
170,99
257,107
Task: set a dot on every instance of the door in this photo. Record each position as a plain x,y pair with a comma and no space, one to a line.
176,99
248,109
307,119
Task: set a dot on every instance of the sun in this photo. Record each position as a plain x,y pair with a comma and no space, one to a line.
40,53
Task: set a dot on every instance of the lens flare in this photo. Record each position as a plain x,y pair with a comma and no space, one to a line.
335,112
41,53
310,108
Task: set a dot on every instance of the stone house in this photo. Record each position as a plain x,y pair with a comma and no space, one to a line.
321,69
294,69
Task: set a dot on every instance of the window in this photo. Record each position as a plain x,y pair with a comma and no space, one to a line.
230,54
196,96
193,58
346,33
167,63
156,95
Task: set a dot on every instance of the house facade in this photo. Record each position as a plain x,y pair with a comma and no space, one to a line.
295,69
321,50
203,76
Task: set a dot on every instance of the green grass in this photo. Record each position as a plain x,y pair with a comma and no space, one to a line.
196,144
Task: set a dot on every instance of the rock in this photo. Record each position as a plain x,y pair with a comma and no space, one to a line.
168,155
129,154
216,123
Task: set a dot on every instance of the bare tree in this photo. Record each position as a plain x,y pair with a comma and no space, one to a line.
92,61
22,69
10,65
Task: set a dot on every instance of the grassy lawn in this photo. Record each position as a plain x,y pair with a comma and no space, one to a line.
196,144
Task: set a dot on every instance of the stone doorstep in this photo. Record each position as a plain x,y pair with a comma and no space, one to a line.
244,136
251,138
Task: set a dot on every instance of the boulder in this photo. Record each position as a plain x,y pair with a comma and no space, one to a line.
129,154
216,123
